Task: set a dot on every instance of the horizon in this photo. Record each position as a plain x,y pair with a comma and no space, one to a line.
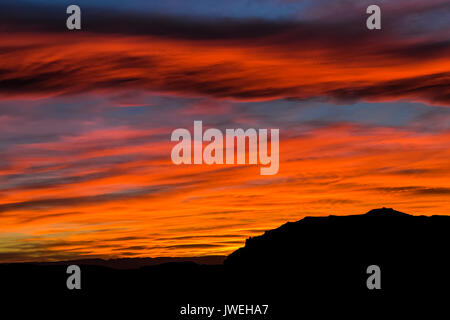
106,261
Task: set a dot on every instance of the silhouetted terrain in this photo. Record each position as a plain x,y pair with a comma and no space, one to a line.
411,250
136,263
309,264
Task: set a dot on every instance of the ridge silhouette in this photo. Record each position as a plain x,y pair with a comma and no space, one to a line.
335,251
136,263
378,234
316,260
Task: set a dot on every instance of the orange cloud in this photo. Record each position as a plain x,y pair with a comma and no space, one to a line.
167,210
258,69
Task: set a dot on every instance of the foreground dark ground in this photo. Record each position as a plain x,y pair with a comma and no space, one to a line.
316,264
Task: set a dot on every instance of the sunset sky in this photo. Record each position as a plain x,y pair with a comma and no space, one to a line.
86,118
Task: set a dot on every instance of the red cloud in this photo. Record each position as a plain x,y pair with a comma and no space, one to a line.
55,64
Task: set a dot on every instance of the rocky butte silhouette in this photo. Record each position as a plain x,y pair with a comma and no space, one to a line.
310,263
331,254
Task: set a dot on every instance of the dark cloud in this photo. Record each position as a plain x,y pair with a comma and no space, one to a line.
36,217
40,181
32,249
433,191
77,201
224,236
52,19
433,87
414,190
194,246
146,192
132,248
342,39
407,172
34,255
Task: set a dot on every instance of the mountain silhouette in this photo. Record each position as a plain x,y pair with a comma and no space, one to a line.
377,236
316,261
333,253
136,263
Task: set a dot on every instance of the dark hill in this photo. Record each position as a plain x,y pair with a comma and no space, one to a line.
317,263
375,235
331,254
136,263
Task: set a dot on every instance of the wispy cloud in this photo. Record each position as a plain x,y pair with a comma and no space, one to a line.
238,59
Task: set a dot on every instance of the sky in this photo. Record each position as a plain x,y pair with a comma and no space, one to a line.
86,118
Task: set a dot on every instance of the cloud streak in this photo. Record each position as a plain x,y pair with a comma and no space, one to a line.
338,59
